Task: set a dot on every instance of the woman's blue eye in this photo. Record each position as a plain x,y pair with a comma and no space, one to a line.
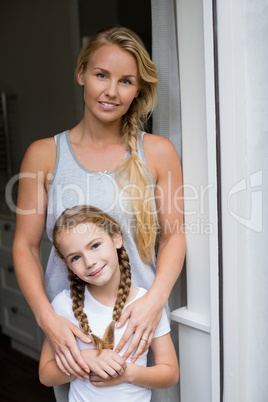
100,75
75,258
126,82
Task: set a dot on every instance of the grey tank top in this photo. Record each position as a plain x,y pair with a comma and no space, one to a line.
72,184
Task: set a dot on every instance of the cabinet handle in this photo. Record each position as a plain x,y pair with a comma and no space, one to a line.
7,226
10,269
14,309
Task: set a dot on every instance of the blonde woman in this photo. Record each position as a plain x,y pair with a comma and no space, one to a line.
90,243
109,162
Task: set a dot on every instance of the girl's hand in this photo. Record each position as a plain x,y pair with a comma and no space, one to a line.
61,334
98,381
106,366
144,315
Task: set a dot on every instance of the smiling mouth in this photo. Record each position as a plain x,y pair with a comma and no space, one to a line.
107,104
98,271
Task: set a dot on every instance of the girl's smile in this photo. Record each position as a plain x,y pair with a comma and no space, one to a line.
98,271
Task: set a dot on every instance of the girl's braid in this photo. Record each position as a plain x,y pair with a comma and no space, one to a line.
78,297
125,283
123,292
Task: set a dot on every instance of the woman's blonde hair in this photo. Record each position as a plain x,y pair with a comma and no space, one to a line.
141,184
70,219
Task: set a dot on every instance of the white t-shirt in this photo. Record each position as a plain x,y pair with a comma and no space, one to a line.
99,316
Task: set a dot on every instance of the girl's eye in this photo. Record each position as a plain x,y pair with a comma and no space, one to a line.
96,245
75,258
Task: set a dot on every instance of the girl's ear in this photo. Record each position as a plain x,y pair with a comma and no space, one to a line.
65,262
118,241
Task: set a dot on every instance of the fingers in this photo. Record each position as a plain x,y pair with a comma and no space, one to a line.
67,354
79,334
108,364
124,317
138,345
112,371
60,365
69,359
68,363
127,334
145,342
114,365
99,382
95,378
74,357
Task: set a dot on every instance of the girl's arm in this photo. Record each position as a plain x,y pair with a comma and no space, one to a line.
164,374
37,164
145,313
106,365
49,372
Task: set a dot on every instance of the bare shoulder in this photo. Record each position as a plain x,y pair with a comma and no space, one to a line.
158,146
160,153
41,155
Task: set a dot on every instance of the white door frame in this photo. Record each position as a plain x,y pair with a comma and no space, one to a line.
199,322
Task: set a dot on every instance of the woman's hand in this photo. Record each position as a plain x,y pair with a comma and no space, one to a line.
61,334
144,315
106,366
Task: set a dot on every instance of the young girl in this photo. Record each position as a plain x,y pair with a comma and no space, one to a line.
90,243
109,162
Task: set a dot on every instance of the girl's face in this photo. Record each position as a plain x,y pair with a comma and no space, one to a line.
111,82
91,254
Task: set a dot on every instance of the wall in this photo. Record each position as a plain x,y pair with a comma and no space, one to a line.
37,66
243,58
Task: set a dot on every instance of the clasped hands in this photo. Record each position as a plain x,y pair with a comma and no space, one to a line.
143,320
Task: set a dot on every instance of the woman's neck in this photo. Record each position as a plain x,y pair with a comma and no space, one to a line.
90,132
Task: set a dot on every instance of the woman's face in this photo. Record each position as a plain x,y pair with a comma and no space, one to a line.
111,82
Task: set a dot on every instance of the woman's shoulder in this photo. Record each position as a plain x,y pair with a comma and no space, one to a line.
159,152
42,145
41,155
158,146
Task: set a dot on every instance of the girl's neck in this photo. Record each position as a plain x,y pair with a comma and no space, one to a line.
102,297
109,299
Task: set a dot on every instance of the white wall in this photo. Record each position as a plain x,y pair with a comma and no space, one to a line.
243,60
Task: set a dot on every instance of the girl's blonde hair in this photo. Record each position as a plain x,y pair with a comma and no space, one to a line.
141,188
68,220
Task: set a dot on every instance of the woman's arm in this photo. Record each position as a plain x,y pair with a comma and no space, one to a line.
36,167
145,313
164,374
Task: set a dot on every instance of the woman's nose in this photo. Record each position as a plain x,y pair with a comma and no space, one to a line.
111,89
